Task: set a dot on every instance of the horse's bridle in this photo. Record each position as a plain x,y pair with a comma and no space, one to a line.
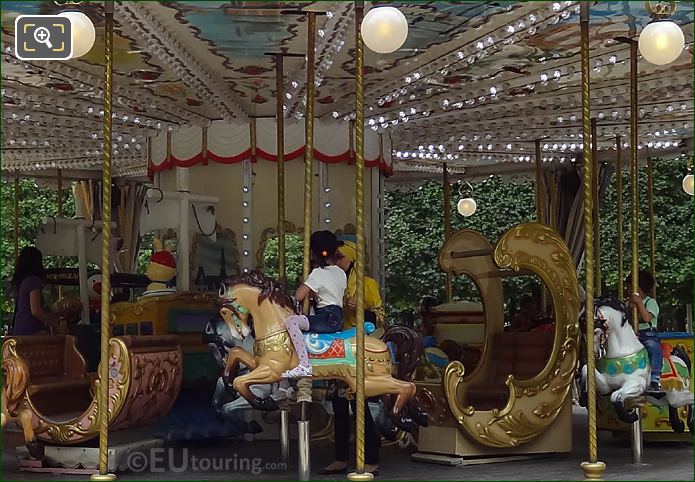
237,310
600,322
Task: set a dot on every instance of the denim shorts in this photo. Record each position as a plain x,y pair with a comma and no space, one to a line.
327,319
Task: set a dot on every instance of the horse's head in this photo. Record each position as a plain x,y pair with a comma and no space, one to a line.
235,315
243,295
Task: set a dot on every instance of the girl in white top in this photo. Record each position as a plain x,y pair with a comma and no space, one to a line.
326,284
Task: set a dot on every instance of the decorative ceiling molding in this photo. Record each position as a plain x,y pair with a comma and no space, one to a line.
209,86
488,43
328,46
130,98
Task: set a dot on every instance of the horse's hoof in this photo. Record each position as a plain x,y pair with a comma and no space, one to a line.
391,434
583,399
253,427
404,423
36,450
266,404
421,418
677,424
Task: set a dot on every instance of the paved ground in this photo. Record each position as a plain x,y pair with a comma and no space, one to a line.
665,461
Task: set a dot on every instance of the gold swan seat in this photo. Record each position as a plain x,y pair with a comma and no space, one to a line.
144,381
515,399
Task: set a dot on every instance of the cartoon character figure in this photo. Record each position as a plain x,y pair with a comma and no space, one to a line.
162,268
94,293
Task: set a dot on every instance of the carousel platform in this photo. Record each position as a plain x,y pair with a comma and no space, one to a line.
665,461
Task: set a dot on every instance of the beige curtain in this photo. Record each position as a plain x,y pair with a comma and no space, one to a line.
126,205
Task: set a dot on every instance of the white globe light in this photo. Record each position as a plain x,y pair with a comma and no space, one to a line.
467,206
689,184
83,33
384,29
661,42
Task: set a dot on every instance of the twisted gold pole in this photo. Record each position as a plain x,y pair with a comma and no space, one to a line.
280,130
447,223
596,207
634,178
540,207
309,144
593,469
15,219
59,196
652,229
359,473
103,381
539,183
619,214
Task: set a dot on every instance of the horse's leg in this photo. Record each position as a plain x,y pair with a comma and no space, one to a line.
236,355
404,391
602,385
262,374
634,386
674,419
36,449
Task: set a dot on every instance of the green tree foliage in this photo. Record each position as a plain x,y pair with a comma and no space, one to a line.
35,203
673,221
415,231
414,234
294,253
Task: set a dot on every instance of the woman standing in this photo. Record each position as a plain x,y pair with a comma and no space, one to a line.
30,317
373,312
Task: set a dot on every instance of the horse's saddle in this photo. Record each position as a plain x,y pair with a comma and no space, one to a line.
321,346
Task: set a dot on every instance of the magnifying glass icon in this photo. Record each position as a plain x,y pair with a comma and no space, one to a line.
43,36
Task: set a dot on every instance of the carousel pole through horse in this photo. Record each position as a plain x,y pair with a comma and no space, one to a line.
636,428
102,384
359,473
593,469
304,454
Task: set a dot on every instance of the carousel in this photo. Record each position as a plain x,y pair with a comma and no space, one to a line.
216,137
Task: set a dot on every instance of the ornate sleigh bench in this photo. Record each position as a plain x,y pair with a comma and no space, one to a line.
144,381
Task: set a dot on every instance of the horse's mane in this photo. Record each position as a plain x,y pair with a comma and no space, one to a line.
618,306
15,381
270,289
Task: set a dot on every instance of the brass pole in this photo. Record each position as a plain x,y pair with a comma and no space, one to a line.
650,213
596,207
103,381
593,469
447,223
15,219
540,208
634,178
309,145
619,214
539,184
359,473
59,196
280,129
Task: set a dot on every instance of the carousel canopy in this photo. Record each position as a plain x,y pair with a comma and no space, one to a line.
474,85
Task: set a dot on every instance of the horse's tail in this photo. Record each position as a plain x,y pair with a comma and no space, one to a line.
680,352
408,349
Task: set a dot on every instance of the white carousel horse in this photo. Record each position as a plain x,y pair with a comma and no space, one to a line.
623,368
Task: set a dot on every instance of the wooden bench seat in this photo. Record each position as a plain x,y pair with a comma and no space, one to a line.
58,379
523,355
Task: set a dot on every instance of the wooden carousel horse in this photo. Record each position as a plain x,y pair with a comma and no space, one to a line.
256,297
623,368
15,380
